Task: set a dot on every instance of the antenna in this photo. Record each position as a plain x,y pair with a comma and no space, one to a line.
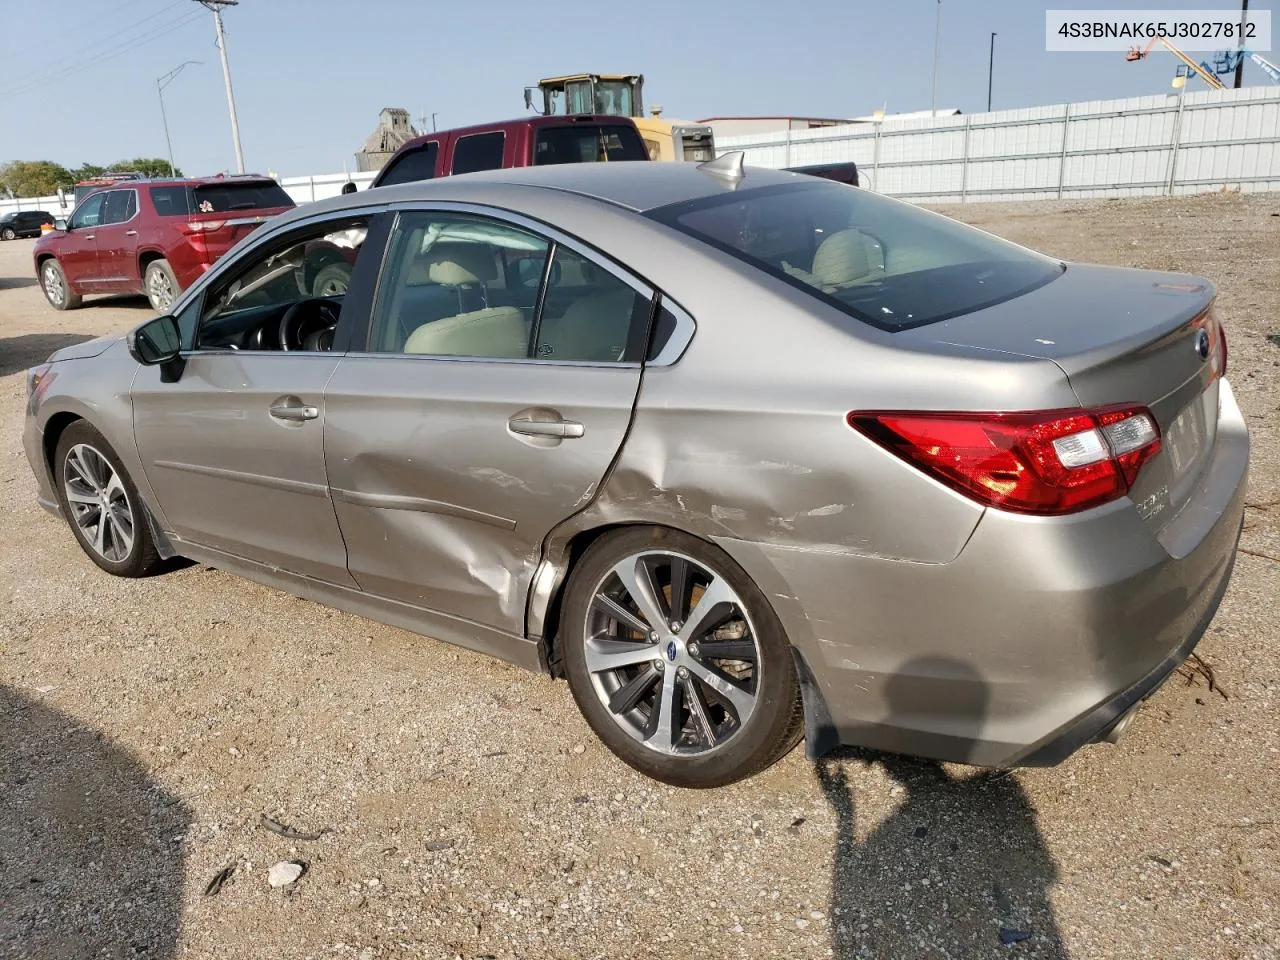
728,167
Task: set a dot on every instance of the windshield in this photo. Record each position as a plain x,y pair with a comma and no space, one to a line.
885,262
587,143
614,98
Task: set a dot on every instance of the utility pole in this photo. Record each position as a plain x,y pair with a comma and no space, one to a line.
161,83
937,39
991,66
216,6
1244,16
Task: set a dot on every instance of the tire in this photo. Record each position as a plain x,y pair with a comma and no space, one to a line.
710,744
331,280
80,465
56,289
160,285
8,234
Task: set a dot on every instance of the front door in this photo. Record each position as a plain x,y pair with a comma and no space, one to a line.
472,427
78,248
234,450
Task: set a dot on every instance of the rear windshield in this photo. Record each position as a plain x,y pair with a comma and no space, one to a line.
228,197
885,262
587,143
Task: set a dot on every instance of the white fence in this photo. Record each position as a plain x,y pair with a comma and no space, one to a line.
1102,148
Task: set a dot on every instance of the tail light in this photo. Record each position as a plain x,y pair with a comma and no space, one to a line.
1046,463
204,226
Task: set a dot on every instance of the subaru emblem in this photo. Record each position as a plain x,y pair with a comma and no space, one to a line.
671,650
1202,343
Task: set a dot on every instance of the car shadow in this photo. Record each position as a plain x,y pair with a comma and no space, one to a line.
16,283
129,301
91,861
959,864
19,353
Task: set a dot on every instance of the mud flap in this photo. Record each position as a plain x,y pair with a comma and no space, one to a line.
820,735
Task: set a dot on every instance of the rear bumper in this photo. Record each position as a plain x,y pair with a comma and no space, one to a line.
1034,641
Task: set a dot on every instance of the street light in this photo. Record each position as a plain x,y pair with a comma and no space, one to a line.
937,41
991,66
161,83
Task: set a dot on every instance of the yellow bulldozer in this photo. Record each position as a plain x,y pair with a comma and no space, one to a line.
622,95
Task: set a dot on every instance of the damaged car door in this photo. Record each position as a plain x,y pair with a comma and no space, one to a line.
497,386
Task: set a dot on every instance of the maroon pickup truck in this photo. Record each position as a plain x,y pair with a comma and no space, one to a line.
526,142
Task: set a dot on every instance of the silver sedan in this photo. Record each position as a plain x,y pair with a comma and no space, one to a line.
744,455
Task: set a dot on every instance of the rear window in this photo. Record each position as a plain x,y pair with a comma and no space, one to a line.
885,262
480,151
414,165
587,143
229,197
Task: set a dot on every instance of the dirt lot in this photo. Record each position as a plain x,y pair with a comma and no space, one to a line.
145,727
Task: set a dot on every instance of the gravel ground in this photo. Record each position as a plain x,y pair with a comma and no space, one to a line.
467,811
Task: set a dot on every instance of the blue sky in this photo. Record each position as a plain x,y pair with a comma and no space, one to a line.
311,75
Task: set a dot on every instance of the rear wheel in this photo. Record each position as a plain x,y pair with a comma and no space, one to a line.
56,289
101,503
677,661
161,285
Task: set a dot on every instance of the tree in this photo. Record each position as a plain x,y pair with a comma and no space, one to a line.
87,171
151,166
34,178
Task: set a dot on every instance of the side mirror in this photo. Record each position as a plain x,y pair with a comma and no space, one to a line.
60,223
528,98
158,343
349,187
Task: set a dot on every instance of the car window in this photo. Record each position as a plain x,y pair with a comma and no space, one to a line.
587,143
229,197
411,166
465,286
119,207
89,213
245,307
456,285
883,262
480,151
588,313
170,201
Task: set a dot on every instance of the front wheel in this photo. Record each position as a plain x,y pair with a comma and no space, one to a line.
56,289
161,285
101,504
8,233
677,661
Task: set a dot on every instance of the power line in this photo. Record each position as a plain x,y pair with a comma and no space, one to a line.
54,66
133,44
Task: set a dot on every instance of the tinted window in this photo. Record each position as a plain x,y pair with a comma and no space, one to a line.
229,197
121,205
480,151
170,201
588,313
885,262
587,143
417,164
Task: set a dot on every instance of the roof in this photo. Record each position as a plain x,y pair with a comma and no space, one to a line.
585,76
636,185
779,117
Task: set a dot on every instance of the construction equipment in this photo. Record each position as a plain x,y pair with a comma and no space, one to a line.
1226,61
622,95
1136,53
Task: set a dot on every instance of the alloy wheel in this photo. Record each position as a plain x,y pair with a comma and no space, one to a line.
99,503
159,289
672,653
55,287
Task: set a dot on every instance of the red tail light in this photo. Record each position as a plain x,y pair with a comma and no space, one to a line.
1046,463
204,226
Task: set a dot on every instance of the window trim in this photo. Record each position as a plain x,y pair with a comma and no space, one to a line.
554,236
453,153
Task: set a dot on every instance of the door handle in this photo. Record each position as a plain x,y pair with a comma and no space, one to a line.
546,428
131,233
91,236
282,411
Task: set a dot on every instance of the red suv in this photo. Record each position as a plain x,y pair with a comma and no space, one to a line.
151,236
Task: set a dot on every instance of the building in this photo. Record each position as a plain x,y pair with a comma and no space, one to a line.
393,132
748,126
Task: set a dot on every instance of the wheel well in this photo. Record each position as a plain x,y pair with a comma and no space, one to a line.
146,258
40,261
53,433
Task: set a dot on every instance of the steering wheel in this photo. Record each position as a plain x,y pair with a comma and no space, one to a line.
305,318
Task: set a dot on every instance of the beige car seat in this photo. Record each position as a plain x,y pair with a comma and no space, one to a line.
488,332
841,260
594,328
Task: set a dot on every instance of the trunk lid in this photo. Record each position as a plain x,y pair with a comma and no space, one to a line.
1121,336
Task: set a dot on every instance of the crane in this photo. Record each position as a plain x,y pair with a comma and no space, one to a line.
1226,61
1136,53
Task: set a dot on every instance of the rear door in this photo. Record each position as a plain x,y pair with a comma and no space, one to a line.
475,423
118,242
